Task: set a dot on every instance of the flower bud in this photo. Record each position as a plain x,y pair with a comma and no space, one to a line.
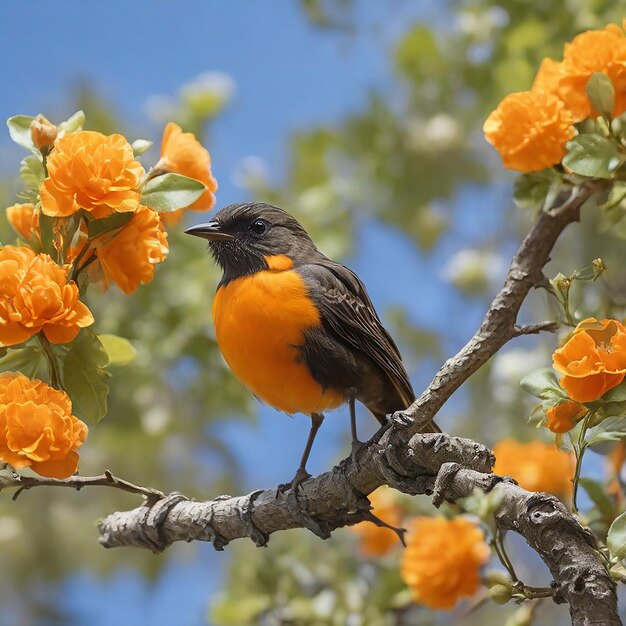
499,593
598,267
43,133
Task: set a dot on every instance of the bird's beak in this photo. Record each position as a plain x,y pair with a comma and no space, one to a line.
210,231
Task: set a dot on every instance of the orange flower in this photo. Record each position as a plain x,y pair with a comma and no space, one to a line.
37,428
548,76
530,129
88,170
442,560
536,466
128,259
590,52
376,540
593,359
35,295
182,153
563,416
24,219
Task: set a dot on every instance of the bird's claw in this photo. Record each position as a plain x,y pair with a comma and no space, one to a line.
301,476
401,419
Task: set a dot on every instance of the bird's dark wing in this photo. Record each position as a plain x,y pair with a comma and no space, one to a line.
349,315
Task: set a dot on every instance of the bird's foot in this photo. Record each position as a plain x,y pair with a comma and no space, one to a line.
298,508
401,420
301,476
300,512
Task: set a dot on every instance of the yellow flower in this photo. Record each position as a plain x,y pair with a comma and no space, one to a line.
128,259
88,170
24,219
182,153
35,295
442,560
376,540
37,428
536,466
530,129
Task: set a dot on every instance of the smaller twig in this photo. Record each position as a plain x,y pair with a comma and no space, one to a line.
23,483
533,329
579,449
498,546
533,593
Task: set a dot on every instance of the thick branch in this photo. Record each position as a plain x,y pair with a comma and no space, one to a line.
413,463
499,324
450,468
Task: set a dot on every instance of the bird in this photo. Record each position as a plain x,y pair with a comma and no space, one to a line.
298,329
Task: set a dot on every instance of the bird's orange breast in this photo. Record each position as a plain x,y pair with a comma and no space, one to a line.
260,321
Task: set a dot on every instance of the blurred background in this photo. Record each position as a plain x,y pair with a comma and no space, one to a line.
364,119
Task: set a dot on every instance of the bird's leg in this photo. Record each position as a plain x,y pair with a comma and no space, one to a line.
356,444
294,505
301,473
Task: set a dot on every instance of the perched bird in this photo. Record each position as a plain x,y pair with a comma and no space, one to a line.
296,328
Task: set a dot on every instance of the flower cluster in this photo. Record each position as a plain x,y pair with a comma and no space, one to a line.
535,465
92,172
35,295
442,560
95,216
37,428
530,129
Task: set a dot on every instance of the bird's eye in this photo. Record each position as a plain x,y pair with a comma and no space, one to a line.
258,227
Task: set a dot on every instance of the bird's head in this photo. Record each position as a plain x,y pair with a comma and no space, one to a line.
248,237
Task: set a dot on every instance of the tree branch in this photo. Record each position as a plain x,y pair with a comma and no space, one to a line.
23,483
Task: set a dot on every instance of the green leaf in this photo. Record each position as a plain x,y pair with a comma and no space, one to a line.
46,229
616,539
27,360
19,129
601,94
610,429
95,228
139,146
617,394
598,496
31,172
73,124
593,156
616,194
542,383
84,377
119,349
537,189
170,192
